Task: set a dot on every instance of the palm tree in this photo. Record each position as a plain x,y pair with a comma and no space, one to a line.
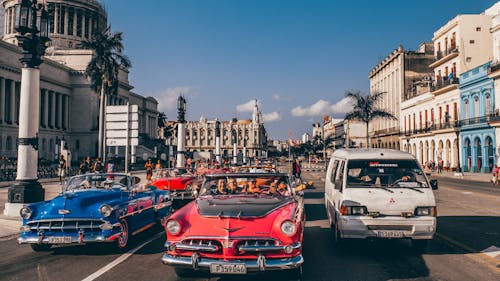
103,69
366,109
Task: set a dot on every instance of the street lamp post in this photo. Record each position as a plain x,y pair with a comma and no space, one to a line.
217,141
457,132
181,132
32,24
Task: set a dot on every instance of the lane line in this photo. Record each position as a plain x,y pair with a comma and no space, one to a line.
120,259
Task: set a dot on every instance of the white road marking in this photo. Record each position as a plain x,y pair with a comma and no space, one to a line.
467,192
492,251
120,259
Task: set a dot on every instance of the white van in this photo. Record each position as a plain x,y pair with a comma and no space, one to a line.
379,193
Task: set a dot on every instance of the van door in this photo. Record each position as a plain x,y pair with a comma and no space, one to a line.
330,187
339,186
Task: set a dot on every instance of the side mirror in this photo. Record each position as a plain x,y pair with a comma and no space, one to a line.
434,184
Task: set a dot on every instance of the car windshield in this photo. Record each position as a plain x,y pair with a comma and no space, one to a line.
385,173
97,181
231,184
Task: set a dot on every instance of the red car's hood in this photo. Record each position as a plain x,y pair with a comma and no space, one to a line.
177,183
265,222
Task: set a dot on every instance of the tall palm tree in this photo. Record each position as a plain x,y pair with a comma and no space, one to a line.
103,69
366,109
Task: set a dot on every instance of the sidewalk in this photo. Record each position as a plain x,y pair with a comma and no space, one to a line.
481,177
9,226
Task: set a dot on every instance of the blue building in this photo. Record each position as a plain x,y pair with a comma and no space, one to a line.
477,136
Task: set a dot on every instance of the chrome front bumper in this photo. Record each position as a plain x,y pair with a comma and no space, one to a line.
74,240
260,264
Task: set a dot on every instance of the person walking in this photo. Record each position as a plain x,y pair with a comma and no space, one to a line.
61,169
294,170
298,170
440,166
158,169
149,169
494,179
97,168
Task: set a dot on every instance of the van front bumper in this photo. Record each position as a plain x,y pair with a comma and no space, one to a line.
363,227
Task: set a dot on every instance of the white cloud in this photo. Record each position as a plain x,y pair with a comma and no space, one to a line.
167,99
246,107
323,107
272,116
276,97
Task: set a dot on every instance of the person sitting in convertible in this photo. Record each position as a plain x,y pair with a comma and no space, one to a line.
232,186
252,186
221,187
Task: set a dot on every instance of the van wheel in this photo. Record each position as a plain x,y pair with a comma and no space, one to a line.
336,238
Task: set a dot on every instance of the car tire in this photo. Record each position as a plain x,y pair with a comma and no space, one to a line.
41,247
123,239
420,245
184,273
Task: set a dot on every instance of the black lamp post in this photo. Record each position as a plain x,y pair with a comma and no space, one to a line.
217,142
32,24
457,132
181,132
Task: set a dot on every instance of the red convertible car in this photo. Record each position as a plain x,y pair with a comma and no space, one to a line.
239,223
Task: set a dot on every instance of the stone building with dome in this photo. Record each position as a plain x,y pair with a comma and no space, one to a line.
68,107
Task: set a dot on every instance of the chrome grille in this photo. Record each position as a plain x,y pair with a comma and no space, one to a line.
200,245
65,225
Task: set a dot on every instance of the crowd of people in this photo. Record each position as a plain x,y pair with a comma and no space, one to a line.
231,186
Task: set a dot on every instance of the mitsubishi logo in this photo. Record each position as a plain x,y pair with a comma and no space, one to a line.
392,200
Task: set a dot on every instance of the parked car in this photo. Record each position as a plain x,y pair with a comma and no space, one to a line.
377,193
94,208
240,223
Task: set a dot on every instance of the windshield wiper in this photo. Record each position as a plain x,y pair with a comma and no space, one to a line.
409,187
386,189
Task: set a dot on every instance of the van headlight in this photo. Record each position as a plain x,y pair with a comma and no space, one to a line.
25,212
105,210
426,211
353,210
173,227
288,228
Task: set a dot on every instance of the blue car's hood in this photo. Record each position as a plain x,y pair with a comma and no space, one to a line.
83,204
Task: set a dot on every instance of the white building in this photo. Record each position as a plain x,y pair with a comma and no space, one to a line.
429,117
68,107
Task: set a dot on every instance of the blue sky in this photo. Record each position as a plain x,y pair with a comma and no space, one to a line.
290,55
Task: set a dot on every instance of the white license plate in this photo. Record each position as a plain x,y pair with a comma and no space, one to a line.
60,240
228,268
390,234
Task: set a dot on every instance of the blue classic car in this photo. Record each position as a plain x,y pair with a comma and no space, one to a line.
94,208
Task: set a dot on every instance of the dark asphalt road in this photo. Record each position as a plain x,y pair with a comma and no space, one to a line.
469,221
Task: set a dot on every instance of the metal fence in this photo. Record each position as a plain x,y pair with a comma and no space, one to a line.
44,172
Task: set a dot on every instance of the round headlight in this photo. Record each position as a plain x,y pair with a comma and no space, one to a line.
173,227
105,210
25,212
288,228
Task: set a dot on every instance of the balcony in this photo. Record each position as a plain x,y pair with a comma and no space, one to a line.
444,56
493,68
442,83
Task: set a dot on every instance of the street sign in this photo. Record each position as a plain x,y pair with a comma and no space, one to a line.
122,127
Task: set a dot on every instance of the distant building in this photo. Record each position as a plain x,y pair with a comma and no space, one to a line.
394,77
306,137
68,107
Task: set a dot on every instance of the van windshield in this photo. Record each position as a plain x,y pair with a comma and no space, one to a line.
385,173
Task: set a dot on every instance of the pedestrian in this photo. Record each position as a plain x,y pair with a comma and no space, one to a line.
149,169
298,170
494,179
83,168
294,169
158,169
97,168
61,168
427,170
440,166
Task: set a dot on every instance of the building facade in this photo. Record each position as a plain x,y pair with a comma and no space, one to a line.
394,77
431,127
69,109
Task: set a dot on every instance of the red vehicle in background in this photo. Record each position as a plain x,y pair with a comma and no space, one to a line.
240,223
180,186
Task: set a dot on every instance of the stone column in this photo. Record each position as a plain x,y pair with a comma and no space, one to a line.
52,121
2,100
65,20
56,20
75,17
66,104
12,101
90,26
46,107
59,121
84,18
181,139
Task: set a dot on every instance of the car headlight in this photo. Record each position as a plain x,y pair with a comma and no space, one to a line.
25,212
426,211
105,210
173,227
353,210
288,228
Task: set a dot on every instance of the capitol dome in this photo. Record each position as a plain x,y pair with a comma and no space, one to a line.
71,22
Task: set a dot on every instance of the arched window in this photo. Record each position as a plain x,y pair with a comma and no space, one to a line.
476,106
466,109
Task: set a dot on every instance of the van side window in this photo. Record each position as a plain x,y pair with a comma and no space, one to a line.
340,176
334,171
